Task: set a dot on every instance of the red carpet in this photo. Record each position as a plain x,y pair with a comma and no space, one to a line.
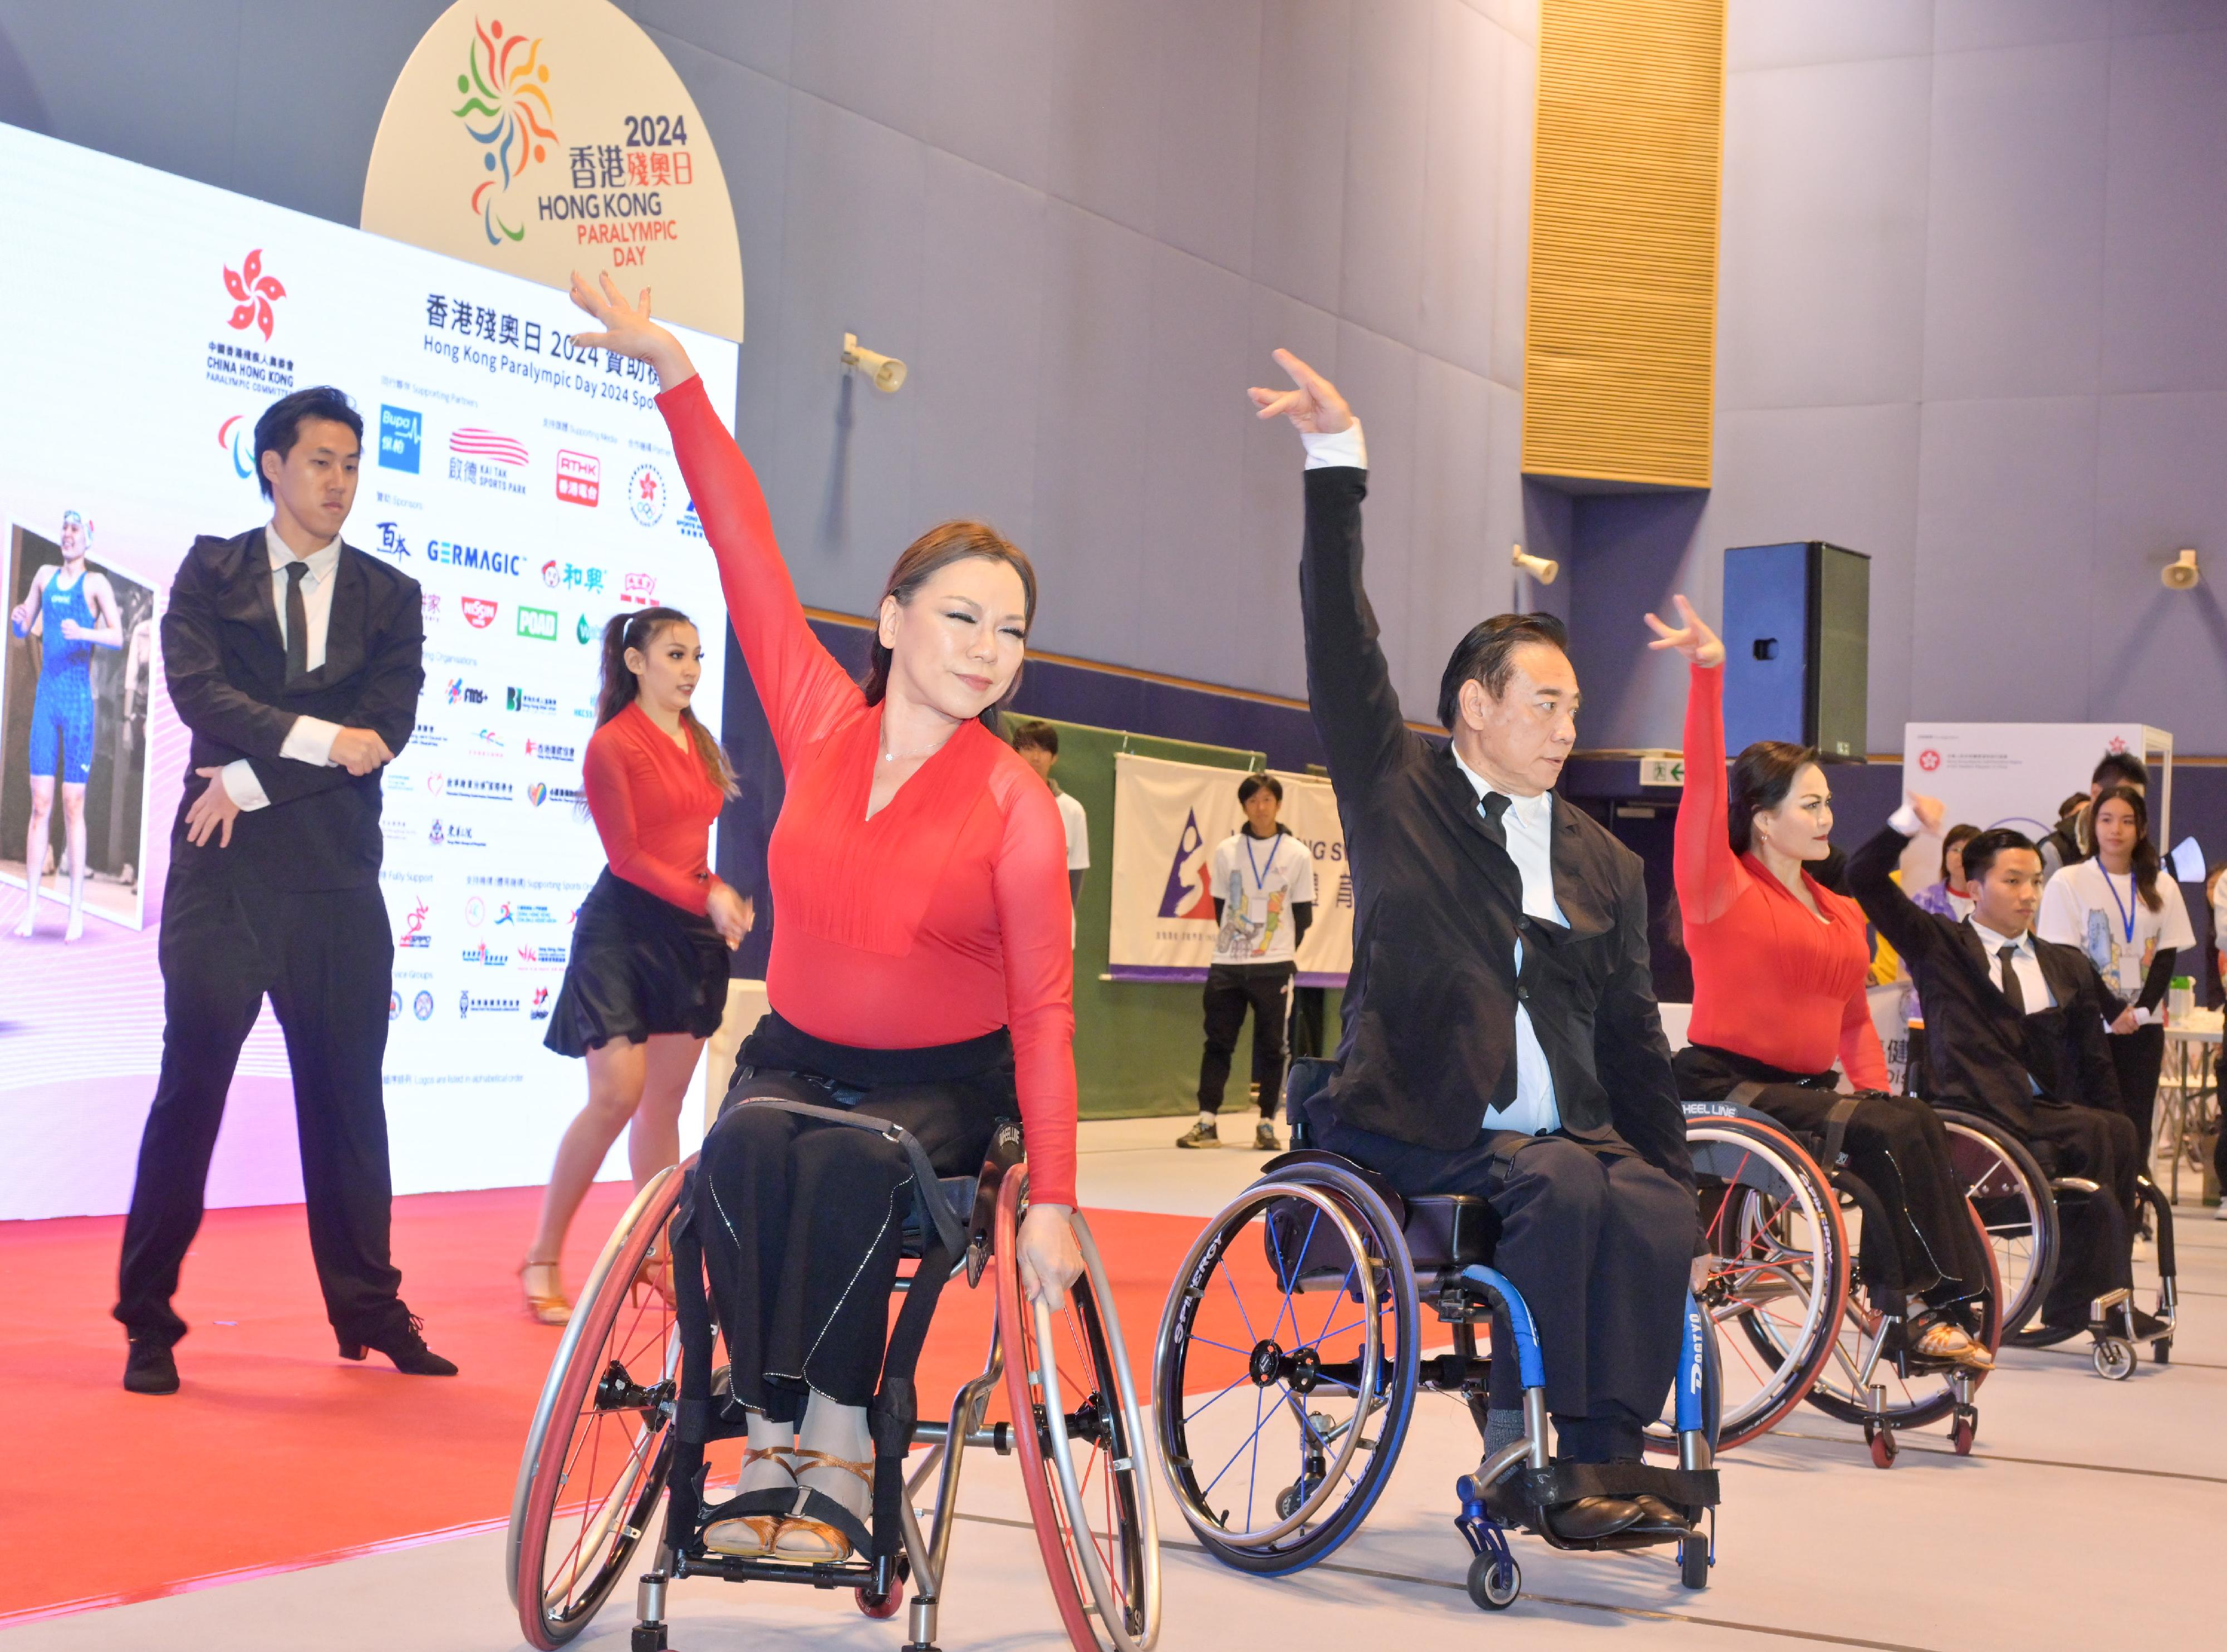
278,1453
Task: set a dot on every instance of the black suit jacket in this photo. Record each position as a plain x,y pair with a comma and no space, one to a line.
1429,1046
226,666
1979,1052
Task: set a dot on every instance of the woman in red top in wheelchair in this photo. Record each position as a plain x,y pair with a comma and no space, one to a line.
1779,968
922,968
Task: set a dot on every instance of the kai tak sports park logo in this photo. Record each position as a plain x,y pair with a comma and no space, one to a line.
506,109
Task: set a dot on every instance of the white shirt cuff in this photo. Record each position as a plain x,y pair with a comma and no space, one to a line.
246,791
1904,820
310,741
1344,448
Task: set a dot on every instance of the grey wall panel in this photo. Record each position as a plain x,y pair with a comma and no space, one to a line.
1105,107
1984,25
993,107
2135,17
1298,203
2159,485
1193,595
755,34
1095,402
1461,186
1270,512
871,56
1775,35
2164,305
977,379
1457,578
1504,523
1381,286
1821,295
2015,279
1515,107
842,467
1519,18
1209,123
2005,527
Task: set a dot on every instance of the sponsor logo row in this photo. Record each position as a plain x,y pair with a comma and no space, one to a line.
485,458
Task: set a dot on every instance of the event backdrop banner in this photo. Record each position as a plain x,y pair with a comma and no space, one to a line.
542,137
2014,774
1168,819
528,487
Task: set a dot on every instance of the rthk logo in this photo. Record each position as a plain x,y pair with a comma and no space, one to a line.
253,292
580,477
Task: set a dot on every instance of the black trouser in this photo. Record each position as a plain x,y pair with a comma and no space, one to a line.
2139,1058
1231,989
802,1221
1896,1145
1597,1241
326,959
2097,1232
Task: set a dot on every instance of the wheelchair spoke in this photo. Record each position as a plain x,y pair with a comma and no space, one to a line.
1260,1422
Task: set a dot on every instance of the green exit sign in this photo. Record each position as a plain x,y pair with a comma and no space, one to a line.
1669,770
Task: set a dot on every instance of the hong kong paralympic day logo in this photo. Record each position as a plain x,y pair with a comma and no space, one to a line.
236,436
253,294
506,111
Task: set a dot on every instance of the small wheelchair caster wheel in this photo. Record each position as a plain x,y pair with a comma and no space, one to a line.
881,1606
1293,1497
2161,1351
1964,1430
1883,1442
1693,1562
2113,1358
1493,1581
648,1638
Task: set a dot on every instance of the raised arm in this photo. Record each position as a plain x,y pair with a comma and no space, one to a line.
1709,875
1908,927
803,690
1349,682
1027,882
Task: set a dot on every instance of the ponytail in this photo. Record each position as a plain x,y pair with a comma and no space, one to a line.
621,687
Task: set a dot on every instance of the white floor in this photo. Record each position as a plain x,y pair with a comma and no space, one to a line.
2089,1515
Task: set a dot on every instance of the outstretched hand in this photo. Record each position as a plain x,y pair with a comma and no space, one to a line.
1313,405
1693,638
629,331
1929,811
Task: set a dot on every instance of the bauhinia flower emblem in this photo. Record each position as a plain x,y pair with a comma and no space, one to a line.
253,291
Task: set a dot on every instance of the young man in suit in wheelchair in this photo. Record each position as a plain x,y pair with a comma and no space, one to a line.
2014,1031
1500,1035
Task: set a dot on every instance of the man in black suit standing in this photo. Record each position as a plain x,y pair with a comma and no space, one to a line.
1500,1032
295,660
2014,1030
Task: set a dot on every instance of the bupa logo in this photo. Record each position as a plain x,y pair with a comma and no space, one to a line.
1189,893
401,438
479,613
391,542
253,294
580,477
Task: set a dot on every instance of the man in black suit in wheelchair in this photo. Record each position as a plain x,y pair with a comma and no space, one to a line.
1500,1036
2014,1030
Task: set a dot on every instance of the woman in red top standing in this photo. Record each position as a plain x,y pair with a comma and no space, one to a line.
921,968
1780,964
646,981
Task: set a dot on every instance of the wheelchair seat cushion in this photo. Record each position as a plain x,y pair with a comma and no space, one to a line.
1446,1230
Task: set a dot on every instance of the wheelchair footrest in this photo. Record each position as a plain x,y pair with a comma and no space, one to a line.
1689,1490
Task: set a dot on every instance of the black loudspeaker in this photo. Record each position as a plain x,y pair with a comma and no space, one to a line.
1798,647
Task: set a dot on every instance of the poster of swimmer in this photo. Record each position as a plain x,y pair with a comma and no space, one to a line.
73,699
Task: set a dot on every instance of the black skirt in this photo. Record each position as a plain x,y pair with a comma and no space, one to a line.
639,965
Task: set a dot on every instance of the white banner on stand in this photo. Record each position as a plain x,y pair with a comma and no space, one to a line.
2014,774
1168,819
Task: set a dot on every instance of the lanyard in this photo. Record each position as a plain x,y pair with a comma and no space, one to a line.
1259,872
2126,911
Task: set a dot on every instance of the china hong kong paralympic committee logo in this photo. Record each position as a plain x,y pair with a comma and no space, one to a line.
1189,893
236,436
506,111
646,494
253,294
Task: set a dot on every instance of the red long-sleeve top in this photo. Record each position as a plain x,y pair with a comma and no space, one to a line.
653,804
944,917
1771,982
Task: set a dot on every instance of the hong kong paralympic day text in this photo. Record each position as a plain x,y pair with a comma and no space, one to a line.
590,385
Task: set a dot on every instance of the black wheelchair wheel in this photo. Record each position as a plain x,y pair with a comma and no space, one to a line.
1694,1561
1494,1582
2007,1188
1300,1293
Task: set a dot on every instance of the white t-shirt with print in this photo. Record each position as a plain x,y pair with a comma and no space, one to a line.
1258,880
2105,916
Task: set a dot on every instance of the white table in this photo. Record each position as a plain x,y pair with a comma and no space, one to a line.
2187,1097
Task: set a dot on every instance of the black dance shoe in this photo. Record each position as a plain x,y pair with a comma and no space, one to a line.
150,1368
1591,1517
406,1346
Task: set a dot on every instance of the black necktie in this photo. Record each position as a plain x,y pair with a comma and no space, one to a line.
2012,989
297,624
1494,805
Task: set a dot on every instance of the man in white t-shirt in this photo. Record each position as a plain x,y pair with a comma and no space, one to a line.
1263,884
1038,744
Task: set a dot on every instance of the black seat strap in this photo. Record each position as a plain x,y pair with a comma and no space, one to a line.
936,1214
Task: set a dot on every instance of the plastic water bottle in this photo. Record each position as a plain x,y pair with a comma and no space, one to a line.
2180,1001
